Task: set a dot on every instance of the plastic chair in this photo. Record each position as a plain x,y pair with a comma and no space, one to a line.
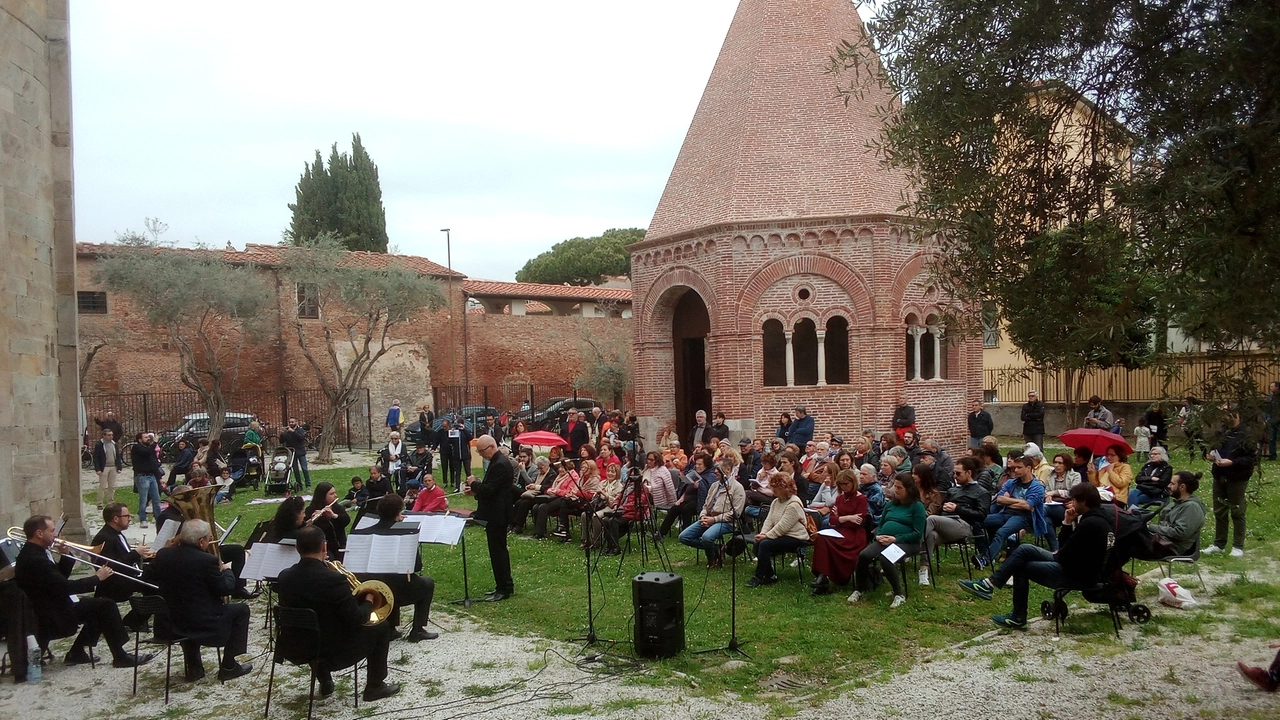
302,623
154,606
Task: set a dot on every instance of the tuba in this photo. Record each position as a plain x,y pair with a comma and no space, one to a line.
380,611
197,504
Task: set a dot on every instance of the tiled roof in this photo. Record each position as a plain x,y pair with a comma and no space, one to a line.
491,288
273,255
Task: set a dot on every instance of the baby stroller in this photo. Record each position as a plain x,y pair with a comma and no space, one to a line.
245,464
1115,588
280,471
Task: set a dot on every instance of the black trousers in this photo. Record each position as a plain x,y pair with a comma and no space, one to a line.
101,618
555,506
499,557
523,506
458,472
235,556
415,590
232,636
369,643
683,511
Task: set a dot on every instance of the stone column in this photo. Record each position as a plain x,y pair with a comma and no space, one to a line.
915,331
935,332
822,357
791,362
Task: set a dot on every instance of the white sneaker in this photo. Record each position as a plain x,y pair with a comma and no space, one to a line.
1237,552
855,596
1211,550
924,576
897,600
794,562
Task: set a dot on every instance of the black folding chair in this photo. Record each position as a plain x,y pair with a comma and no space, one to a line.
154,607
301,625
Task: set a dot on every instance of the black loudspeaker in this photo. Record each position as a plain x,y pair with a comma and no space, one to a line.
658,599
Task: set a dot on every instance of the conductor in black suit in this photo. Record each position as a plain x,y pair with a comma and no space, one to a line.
344,638
115,545
494,498
193,582
49,592
413,589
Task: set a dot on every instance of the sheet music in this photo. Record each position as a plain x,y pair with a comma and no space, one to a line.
366,521
268,560
829,532
441,529
374,553
166,533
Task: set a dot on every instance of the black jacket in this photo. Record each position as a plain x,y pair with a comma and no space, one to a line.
171,512
981,424
720,431
100,457
1236,446
312,584
495,494
115,546
49,590
423,462
1153,479
1033,418
374,489
459,447
904,416
494,431
1083,548
972,503
182,465
193,583
295,439
577,437
145,462
751,466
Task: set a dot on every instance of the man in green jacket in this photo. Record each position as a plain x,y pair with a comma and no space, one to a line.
1182,519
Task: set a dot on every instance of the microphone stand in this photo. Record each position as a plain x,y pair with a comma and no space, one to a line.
735,645
590,638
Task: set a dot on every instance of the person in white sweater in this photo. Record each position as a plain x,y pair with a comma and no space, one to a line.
784,529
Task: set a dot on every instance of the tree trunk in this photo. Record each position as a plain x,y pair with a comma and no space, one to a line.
333,417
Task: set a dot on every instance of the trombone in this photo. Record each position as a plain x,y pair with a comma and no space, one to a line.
67,548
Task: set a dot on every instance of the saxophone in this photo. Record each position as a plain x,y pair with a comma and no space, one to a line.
384,601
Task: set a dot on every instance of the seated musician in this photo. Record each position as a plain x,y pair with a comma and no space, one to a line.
378,484
49,591
431,497
230,552
115,545
344,637
324,513
416,590
290,517
193,582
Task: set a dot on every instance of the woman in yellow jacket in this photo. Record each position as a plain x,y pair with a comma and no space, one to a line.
1115,474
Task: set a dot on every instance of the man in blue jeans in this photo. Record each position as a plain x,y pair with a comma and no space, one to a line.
1077,564
725,502
146,475
295,438
1021,507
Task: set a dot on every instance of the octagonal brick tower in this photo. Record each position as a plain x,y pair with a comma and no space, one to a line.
776,270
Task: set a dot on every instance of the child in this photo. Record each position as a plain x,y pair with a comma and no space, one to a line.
225,489
431,497
356,495
1142,445
411,493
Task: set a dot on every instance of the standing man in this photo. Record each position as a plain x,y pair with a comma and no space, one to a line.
801,428
294,437
193,583
1033,420
394,416
701,432
980,424
493,505
108,462
146,475
111,423
904,417
459,440
1232,464
446,452
1099,416
426,425
719,430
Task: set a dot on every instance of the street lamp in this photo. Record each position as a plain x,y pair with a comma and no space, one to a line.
448,244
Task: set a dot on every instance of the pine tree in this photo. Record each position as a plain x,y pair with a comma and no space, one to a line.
344,198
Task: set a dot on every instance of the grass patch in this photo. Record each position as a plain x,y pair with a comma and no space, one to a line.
626,703
1003,659
1023,677
1242,590
568,710
483,665
1117,699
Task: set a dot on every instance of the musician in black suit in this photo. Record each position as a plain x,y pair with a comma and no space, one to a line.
49,592
115,545
193,582
415,589
344,638
493,505
230,552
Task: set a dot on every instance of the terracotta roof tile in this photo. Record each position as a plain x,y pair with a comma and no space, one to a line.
273,255
493,288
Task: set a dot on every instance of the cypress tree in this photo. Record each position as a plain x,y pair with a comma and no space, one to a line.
344,198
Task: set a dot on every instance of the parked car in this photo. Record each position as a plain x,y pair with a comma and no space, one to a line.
548,413
472,415
195,427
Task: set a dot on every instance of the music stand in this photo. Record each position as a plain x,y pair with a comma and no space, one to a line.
466,599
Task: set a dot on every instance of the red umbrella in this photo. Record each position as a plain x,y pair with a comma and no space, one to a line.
1096,440
541,438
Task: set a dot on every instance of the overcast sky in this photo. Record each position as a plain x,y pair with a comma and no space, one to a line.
515,124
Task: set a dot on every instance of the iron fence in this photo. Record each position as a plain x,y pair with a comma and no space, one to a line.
512,401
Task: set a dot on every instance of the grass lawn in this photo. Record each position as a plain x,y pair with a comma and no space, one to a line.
826,642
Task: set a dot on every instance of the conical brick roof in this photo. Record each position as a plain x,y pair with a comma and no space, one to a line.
770,139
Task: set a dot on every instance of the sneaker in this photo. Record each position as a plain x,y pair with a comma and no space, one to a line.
924,576
1211,550
1010,622
561,532
144,523
855,596
897,601
1258,676
981,588
1237,552
981,562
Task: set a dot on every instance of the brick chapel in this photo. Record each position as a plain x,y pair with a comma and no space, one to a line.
778,270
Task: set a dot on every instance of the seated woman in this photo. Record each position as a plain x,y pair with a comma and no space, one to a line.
759,494
686,506
586,453
182,464
1057,487
844,460
1152,484
606,458
889,464
632,506
542,492
902,525
214,460
824,499
784,529
326,514
604,502
870,488
567,499
834,558
289,517
1113,473
658,479
929,494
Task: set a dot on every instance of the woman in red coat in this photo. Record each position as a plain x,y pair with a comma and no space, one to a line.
834,558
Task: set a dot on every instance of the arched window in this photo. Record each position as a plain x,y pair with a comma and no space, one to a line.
804,348
775,354
836,351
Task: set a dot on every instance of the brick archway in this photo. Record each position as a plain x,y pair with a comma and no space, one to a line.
660,301
905,275
811,264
